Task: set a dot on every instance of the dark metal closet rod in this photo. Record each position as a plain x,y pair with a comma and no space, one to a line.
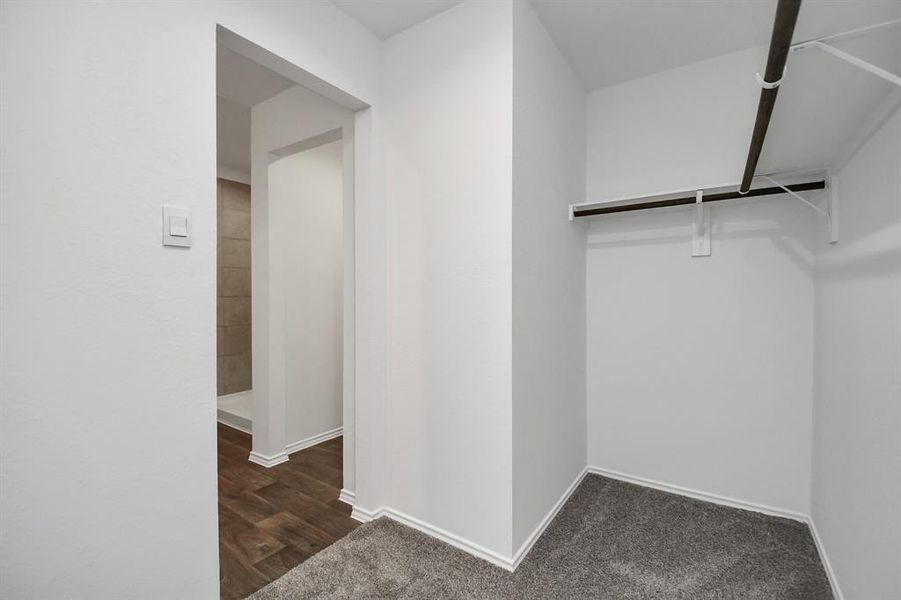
780,42
714,197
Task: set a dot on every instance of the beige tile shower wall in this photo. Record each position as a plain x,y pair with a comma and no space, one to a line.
233,288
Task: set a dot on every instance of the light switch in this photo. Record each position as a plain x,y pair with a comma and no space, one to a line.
176,226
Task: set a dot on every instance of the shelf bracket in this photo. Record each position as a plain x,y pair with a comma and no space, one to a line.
831,210
857,62
700,233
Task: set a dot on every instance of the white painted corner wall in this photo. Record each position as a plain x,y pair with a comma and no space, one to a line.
475,234
548,275
448,173
857,403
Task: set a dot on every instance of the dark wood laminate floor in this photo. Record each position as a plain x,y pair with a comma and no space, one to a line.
271,520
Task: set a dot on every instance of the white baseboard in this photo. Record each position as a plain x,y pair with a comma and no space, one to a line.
821,549
699,495
364,516
313,440
539,530
454,540
507,563
267,461
234,422
347,497
235,409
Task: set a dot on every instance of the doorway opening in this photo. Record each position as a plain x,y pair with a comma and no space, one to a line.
285,314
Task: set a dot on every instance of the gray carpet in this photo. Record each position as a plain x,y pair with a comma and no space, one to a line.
611,540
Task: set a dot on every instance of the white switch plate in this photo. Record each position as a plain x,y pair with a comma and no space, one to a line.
176,226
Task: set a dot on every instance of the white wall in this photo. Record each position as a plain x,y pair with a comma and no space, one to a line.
283,125
548,274
107,352
677,130
232,140
857,406
699,369
448,174
305,198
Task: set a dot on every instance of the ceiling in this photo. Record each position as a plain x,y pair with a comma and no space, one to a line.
244,82
612,41
385,18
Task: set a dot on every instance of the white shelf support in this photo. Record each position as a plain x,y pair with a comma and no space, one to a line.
857,62
796,195
831,210
844,34
700,233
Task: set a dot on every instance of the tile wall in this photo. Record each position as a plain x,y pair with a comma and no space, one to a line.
233,288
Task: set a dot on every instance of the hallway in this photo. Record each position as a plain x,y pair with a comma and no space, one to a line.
271,520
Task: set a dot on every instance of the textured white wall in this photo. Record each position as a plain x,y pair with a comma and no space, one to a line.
699,369
857,406
661,133
305,199
448,171
108,370
548,274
